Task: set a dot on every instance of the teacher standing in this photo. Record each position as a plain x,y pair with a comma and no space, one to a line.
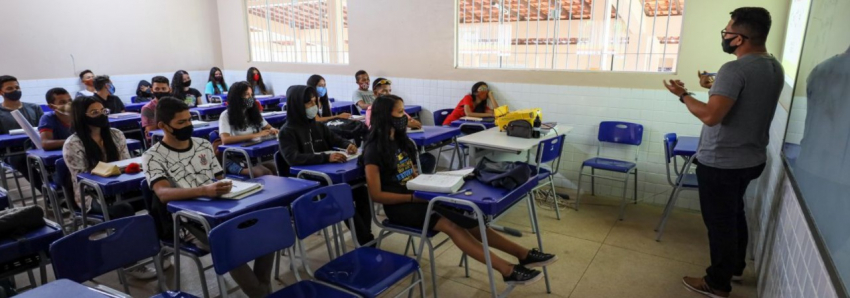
732,148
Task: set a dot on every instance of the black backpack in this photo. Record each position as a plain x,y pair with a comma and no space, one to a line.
16,222
505,174
347,128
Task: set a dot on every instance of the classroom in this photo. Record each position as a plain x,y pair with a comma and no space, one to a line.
442,148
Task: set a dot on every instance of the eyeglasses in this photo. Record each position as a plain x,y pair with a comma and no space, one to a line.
483,89
96,113
724,32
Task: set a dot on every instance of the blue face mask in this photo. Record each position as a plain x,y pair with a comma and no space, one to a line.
322,91
111,88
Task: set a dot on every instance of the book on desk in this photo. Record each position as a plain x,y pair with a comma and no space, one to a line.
343,152
242,189
442,182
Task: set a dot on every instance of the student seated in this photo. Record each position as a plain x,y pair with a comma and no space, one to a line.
388,157
103,91
87,78
181,88
255,82
161,89
382,86
478,103
11,92
215,83
144,92
304,141
242,122
181,167
54,127
318,82
362,97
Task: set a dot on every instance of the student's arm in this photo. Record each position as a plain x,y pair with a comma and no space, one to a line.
121,107
719,103
209,89
362,104
47,141
293,156
337,141
413,123
470,113
373,184
493,103
167,193
227,138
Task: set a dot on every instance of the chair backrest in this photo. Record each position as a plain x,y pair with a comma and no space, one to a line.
621,132
549,150
126,240
669,141
249,236
46,108
441,115
213,136
281,165
471,128
322,208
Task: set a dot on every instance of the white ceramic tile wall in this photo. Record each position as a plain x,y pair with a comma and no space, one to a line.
580,107
794,267
125,85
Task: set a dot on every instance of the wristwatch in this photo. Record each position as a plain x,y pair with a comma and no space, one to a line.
682,97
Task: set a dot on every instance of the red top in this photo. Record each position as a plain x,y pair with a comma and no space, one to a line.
460,112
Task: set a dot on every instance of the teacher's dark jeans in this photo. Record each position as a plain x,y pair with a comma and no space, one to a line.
721,200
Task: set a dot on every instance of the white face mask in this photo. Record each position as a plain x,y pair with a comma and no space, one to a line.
312,111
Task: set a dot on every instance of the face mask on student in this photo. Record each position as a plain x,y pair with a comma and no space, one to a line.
400,123
147,93
322,91
187,83
13,96
218,78
183,134
110,88
312,112
364,86
256,77
89,82
159,95
249,102
101,121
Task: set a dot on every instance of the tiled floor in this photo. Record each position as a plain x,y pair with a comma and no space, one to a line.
599,256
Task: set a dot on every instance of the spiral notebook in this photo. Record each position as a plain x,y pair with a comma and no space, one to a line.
442,182
242,189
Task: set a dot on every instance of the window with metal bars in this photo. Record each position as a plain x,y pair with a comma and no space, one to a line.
595,35
298,31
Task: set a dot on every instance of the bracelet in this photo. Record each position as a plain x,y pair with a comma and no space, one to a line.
682,97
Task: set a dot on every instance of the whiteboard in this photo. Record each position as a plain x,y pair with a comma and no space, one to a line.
798,17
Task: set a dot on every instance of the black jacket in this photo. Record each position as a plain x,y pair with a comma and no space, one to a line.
112,102
302,140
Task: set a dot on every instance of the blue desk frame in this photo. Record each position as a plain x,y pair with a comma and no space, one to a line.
266,148
686,147
105,186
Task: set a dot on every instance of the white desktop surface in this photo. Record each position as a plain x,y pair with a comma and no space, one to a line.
493,139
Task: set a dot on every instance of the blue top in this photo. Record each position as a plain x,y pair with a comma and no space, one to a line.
50,122
210,89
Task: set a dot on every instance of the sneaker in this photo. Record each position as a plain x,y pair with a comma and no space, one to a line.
522,276
535,258
698,285
141,273
737,278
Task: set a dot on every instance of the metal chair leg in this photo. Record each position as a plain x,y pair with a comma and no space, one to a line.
578,192
555,197
636,185
533,226
593,181
623,202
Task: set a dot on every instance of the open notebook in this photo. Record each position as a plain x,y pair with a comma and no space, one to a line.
242,189
199,123
122,115
442,182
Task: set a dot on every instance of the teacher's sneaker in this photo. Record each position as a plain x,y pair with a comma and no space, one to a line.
698,285
535,258
522,276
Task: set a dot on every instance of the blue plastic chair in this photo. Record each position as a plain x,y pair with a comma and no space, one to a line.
366,271
682,181
187,249
46,108
441,115
616,132
63,177
255,234
133,99
127,240
549,151
465,129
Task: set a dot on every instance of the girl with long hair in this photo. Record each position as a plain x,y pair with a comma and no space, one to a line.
255,81
325,115
215,82
181,87
242,122
478,103
388,158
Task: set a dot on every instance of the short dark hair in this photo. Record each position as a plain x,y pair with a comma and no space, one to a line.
51,94
360,72
159,79
84,72
754,22
168,107
101,81
7,78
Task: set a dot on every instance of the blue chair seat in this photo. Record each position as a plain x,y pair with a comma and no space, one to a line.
544,174
309,289
387,223
367,271
690,181
609,164
173,294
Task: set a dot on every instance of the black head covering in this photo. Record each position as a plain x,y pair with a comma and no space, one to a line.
296,97
142,83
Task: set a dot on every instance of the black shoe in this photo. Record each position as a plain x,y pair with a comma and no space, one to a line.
522,276
535,258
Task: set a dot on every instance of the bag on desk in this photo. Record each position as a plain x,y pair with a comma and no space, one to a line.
19,221
347,128
520,129
505,174
104,169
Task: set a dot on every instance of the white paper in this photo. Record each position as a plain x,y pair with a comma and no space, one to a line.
458,173
436,183
122,115
198,123
28,129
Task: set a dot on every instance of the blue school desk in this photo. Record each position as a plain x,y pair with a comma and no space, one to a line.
199,132
134,107
333,173
126,123
209,212
29,251
490,202
685,147
434,134
63,288
108,186
207,112
343,106
412,110
486,124
10,145
275,119
282,104
266,148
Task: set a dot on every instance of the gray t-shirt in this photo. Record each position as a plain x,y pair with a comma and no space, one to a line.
754,82
366,96
32,112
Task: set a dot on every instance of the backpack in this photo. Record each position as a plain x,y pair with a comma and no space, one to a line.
347,128
505,174
16,222
520,129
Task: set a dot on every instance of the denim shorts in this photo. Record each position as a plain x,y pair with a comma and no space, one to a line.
232,167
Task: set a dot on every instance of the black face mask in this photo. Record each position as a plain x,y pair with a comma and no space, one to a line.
249,102
101,121
187,83
160,95
727,45
147,93
13,96
218,79
183,134
400,123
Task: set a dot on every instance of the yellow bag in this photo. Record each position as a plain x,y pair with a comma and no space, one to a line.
503,116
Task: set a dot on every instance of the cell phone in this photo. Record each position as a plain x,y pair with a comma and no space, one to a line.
249,144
